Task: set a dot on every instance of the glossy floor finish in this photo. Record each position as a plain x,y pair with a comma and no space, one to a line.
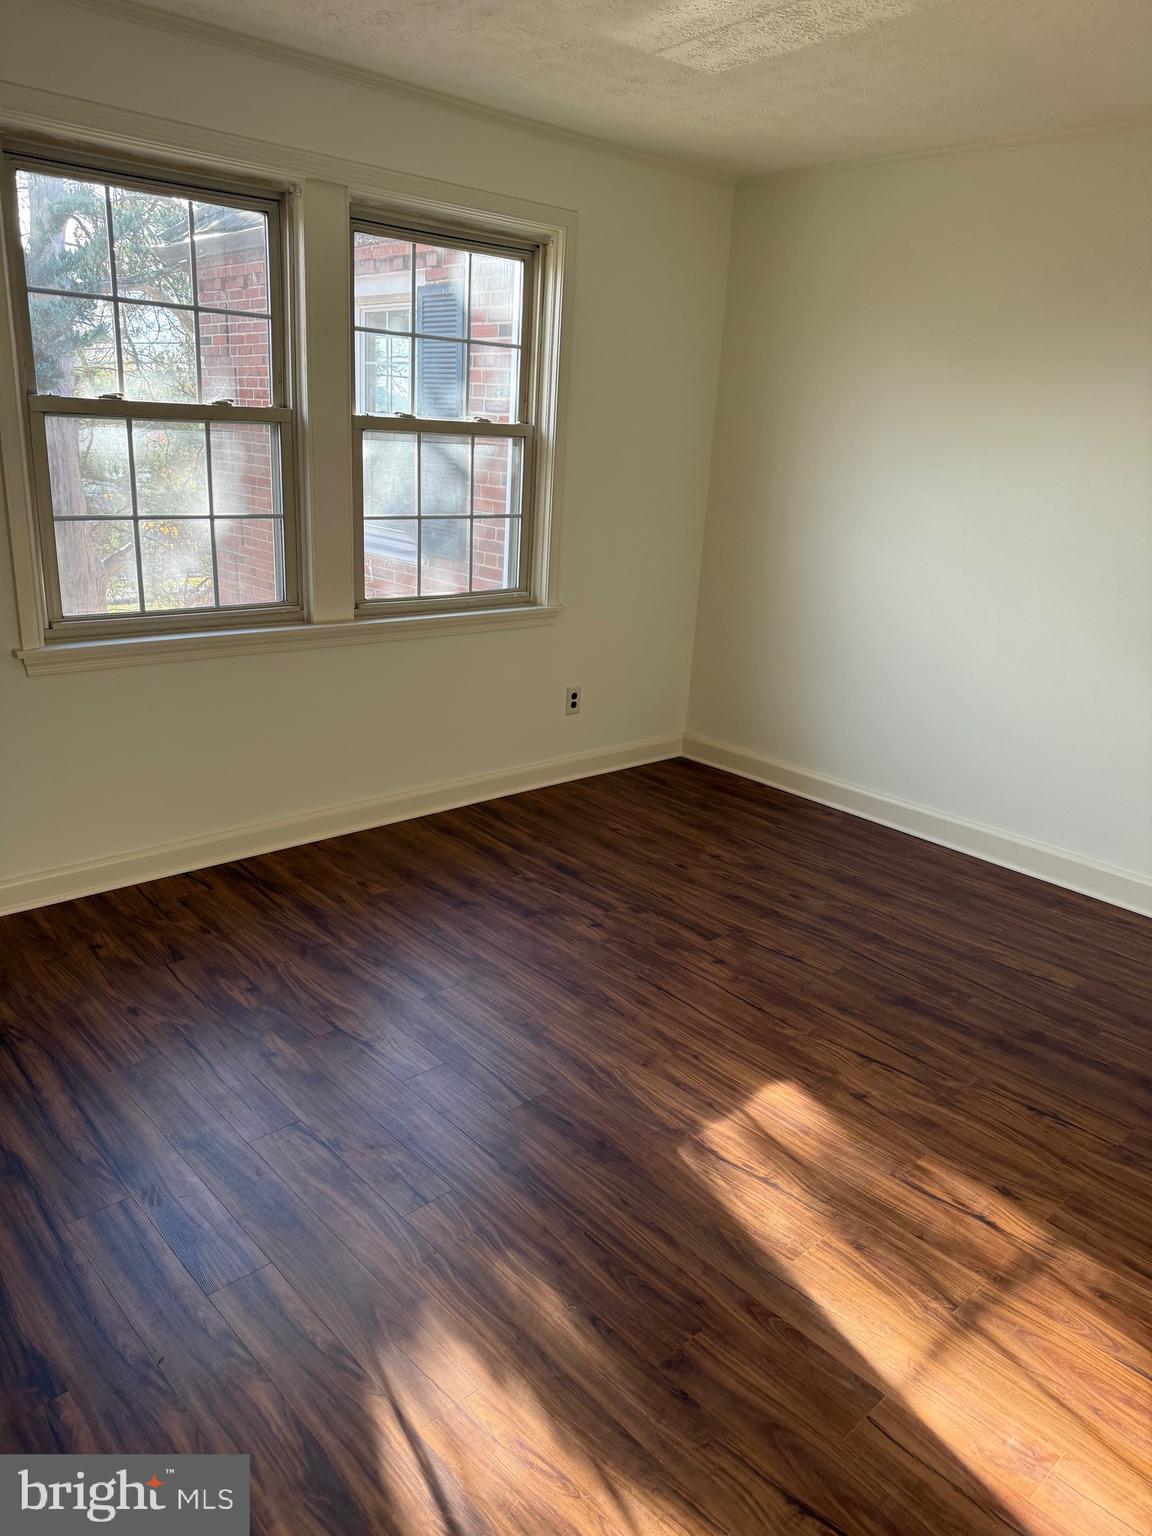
654,1153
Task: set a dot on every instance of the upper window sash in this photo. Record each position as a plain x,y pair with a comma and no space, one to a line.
186,294
399,319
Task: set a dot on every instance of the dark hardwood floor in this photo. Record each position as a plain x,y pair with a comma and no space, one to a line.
650,1153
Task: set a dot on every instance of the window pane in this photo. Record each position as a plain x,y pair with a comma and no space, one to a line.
231,257
171,469
440,367
441,290
64,232
382,281
235,359
445,481
74,345
176,559
245,470
88,467
97,565
496,477
497,285
390,558
495,553
159,353
389,474
493,382
444,555
383,373
250,560
150,238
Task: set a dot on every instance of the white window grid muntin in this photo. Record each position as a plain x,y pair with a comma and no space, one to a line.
523,429
278,413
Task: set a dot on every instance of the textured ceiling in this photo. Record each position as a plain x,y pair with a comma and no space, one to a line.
742,86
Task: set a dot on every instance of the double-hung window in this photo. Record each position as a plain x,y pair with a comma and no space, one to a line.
151,325
444,420
148,413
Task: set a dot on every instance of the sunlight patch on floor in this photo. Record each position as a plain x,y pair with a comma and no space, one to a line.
499,1449
983,1354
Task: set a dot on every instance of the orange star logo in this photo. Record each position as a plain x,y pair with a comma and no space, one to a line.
154,1482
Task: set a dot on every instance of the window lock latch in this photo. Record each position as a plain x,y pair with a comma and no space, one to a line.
115,394
404,415
226,401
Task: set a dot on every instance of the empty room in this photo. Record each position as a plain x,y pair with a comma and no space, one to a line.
576,768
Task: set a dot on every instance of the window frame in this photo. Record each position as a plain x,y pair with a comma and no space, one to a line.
316,190
473,237
224,191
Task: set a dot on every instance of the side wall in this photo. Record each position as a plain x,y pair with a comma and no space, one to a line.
274,748
927,586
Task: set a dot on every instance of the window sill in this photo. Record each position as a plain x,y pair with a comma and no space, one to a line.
142,650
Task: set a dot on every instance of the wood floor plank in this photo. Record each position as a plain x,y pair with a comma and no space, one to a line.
243,1100
384,1483
362,1312
1060,1510
436,1328
656,1153
70,1351
40,1127
214,1247
978,1480
236,1406
1121,1490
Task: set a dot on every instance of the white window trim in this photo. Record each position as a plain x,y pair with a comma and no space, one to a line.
139,650
320,187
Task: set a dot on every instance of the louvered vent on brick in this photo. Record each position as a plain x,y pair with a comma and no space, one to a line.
444,477
440,309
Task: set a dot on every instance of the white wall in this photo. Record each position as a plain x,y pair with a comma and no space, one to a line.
928,566
101,763
929,548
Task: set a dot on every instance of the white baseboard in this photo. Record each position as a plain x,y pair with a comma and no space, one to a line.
65,882
1121,887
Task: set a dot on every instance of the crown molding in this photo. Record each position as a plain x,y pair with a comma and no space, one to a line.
752,181
32,117
372,80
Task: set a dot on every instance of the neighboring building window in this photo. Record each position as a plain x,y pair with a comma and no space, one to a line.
153,350
444,417
383,358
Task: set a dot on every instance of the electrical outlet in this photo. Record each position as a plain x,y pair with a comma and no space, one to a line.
572,701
